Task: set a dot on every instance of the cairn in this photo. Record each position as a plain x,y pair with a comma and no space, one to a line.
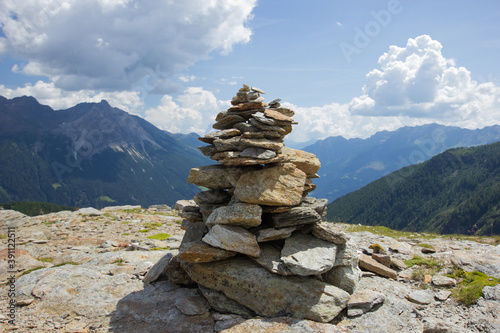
255,243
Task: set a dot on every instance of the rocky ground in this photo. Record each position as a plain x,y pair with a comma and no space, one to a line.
83,271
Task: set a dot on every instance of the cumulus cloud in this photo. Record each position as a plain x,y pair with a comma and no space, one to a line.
414,85
192,111
115,44
56,98
417,81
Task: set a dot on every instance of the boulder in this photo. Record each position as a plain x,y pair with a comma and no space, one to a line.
307,162
269,294
422,297
443,281
307,255
280,185
233,238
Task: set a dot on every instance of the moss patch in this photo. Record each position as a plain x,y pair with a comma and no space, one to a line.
470,287
159,236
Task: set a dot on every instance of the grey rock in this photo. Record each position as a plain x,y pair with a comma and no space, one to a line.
423,297
260,91
347,254
176,274
239,214
192,304
194,232
233,238
269,294
363,301
89,211
327,231
295,216
270,234
159,268
443,281
220,302
384,259
442,295
270,258
343,277
212,197
319,205
307,255
371,265
492,293
161,208
259,153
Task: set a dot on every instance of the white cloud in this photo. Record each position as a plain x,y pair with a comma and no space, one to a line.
419,82
115,44
414,85
192,111
187,78
48,94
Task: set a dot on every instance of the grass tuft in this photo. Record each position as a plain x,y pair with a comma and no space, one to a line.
159,236
470,287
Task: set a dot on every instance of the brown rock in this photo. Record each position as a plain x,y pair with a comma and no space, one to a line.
384,259
247,106
281,185
196,252
276,115
270,234
228,121
371,265
305,161
216,176
233,238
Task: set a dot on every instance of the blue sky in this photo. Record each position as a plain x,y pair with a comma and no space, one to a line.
348,68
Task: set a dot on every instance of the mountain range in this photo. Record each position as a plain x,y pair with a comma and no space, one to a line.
457,191
349,164
90,155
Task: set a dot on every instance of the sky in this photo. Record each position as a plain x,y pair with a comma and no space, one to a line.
347,68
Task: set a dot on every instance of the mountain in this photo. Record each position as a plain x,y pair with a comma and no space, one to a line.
450,193
347,165
90,155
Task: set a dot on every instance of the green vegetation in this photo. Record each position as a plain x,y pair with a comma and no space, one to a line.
159,236
118,261
30,270
3,236
106,199
32,208
67,263
46,259
420,261
377,248
456,192
470,287
160,248
426,246
384,231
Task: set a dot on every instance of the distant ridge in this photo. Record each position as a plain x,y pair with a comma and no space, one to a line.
457,191
349,164
90,155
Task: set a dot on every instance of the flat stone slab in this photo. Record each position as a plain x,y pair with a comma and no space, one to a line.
269,294
270,258
233,238
281,185
422,297
374,266
197,252
363,301
216,176
307,255
270,234
328,232
238,214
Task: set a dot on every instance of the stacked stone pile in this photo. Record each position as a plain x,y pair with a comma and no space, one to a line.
255,243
